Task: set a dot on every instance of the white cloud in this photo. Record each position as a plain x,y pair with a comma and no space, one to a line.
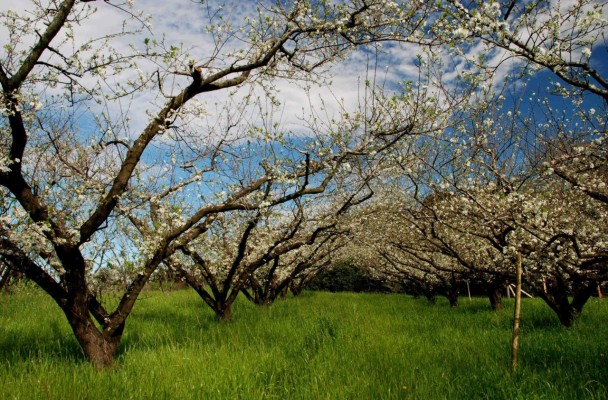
184,23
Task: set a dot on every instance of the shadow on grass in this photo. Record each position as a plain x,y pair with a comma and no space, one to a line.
50,344
477,305
53,341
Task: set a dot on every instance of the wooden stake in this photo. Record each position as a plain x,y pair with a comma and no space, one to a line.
599,291
516,316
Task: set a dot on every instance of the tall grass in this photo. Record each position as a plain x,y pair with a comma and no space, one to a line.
318,346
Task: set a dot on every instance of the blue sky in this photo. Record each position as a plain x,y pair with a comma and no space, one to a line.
183,22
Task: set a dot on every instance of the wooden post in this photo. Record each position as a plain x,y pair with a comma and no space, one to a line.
599,291
516,316
469,290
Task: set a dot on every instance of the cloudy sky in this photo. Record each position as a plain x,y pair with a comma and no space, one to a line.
184,23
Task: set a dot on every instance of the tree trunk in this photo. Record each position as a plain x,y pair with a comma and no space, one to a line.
98,347
431,297
566,315
453,291
556,297
581,296
453,299
251,297
225,314
223,311
451,294
568,312
495,297
296,289
264,299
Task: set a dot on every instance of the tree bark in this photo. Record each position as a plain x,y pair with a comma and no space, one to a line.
97,346
431,296
581,296
566,316
453,299
495,297
556,297
224,312
568,312
296,288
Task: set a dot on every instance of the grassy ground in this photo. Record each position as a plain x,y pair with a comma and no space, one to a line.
318,346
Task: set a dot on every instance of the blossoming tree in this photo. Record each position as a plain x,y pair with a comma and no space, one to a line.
110,151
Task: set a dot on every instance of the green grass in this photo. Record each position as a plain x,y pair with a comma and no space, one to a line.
318,346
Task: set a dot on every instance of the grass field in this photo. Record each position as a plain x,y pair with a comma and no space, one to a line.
317,346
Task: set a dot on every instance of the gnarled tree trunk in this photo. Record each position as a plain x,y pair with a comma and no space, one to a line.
97,346
494,292
557,297
223,310
495,298
452,296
